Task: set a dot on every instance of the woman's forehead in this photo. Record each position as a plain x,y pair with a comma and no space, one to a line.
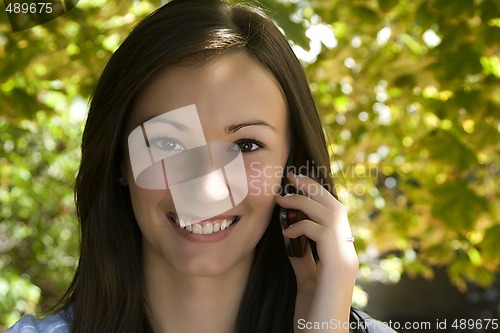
226,89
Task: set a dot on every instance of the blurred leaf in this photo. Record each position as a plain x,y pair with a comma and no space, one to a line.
293,30
491,243
365,15
457,205
445,147
387,5
455,9
489,10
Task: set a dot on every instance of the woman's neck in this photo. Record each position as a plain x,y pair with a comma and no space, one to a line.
183,304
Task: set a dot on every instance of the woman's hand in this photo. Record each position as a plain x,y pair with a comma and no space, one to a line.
324,289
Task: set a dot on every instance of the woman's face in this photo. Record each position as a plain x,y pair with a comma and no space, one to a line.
235,101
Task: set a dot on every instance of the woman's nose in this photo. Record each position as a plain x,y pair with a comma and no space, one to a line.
210,180
215,186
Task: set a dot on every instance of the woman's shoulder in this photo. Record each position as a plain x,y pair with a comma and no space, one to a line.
56,323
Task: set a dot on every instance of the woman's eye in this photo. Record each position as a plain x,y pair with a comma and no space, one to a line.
248,146
166,143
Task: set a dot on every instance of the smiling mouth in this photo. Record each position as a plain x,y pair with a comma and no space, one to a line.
205,227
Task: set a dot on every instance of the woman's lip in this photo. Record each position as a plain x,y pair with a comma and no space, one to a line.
199,220
209,238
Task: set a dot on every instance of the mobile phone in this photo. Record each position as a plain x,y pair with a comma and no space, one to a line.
295,247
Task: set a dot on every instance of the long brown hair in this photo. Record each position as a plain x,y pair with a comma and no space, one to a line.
106,294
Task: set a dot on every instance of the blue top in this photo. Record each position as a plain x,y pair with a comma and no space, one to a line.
50,324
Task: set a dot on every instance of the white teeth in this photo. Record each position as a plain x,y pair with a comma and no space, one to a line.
197,229
184,221
206,229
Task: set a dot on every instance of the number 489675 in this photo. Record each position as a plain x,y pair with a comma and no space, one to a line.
461,324
32,8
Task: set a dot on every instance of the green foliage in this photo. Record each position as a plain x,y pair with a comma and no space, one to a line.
410,99
409,94
38,229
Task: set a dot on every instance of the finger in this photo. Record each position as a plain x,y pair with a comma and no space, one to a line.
308,228
327,241
325,238
313,190
308,206
338,262
333,218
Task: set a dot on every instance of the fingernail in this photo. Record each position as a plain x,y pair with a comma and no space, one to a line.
287,195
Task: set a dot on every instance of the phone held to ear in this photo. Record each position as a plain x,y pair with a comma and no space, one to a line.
295,247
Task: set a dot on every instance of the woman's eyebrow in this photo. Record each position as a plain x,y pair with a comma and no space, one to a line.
237,126
178,125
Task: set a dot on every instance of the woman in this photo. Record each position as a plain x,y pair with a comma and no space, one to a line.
206,72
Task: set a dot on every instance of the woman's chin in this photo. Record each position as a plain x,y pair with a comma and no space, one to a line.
209,265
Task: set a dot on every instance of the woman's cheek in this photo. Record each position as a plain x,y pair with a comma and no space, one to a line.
263,180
